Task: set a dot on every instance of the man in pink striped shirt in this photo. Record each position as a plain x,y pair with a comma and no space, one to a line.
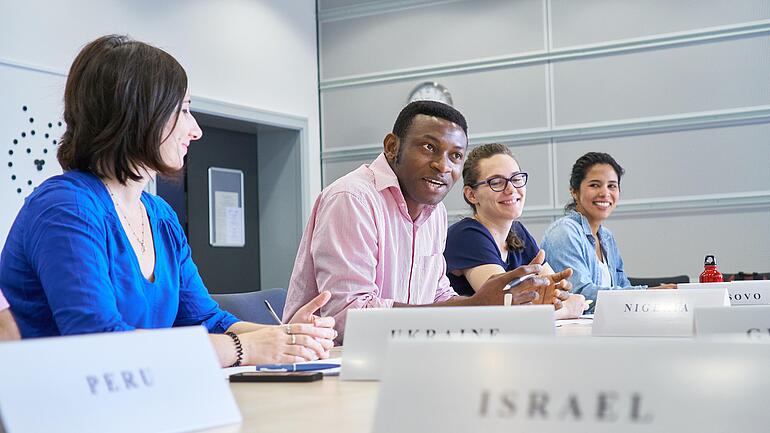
8,328
376,236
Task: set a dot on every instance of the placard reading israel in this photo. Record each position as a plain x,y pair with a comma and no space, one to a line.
651,313
560,385
368,331
151,381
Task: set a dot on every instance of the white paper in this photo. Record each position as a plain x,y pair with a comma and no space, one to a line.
579,321
591,385
150,381
234,226
229,219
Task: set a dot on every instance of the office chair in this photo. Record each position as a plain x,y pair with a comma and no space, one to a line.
746,276
250,306
657,281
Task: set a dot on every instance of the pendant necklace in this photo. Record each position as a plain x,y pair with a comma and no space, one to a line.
122,213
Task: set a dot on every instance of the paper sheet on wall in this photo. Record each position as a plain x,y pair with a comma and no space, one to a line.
229,219
234,221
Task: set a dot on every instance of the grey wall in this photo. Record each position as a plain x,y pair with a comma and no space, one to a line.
677,90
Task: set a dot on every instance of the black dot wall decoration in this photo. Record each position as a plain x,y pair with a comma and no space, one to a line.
35,149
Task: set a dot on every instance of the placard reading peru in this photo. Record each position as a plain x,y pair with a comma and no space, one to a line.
752,321
150,381
517,384
368,331
740,292
651,313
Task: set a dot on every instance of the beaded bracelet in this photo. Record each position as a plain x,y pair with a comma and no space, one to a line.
238,348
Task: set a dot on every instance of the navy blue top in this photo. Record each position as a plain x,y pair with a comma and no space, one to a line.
469,244
68,267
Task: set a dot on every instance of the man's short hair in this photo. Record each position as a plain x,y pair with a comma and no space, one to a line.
428,108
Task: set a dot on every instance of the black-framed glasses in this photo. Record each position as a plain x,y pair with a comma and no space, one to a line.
498,183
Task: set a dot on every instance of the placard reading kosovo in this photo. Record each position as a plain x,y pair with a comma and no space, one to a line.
368,331
753,321
651,313
150,381
739,292
574,385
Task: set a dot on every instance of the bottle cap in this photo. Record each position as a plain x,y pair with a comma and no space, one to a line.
710,260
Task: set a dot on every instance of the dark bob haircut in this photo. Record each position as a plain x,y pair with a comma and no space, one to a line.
583,166
120,94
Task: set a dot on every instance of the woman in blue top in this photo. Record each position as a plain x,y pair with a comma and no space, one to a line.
578,240
91,252
493,241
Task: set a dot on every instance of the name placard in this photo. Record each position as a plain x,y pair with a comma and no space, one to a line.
577,385
149,381
752,321
651,313
740,292
368,331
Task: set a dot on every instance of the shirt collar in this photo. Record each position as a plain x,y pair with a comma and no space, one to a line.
577,216
385,178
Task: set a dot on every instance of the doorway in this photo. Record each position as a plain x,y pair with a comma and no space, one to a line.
268,148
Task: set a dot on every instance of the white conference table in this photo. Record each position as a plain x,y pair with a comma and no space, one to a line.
328,405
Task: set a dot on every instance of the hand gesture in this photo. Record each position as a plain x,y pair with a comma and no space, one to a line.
492,293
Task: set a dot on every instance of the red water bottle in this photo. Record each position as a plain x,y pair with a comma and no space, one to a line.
710,273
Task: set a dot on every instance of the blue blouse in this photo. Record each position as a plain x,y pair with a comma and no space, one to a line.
569,243
469,244
68,267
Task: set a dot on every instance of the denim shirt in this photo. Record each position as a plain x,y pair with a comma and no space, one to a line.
569,243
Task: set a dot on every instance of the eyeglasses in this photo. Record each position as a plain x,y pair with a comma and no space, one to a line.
499,183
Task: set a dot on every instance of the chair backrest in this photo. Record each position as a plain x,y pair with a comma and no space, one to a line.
250,306
657,281
746,276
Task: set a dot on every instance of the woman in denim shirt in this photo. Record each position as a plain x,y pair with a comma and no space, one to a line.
578,240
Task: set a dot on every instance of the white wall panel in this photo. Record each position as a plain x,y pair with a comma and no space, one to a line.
536,226
691,78
334,170
257,53
710,161
31,101
664,245
671,84
593,21
491,101
329,4
430,35
534,160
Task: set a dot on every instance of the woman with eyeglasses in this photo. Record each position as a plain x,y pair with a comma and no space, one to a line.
579,240
492,241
